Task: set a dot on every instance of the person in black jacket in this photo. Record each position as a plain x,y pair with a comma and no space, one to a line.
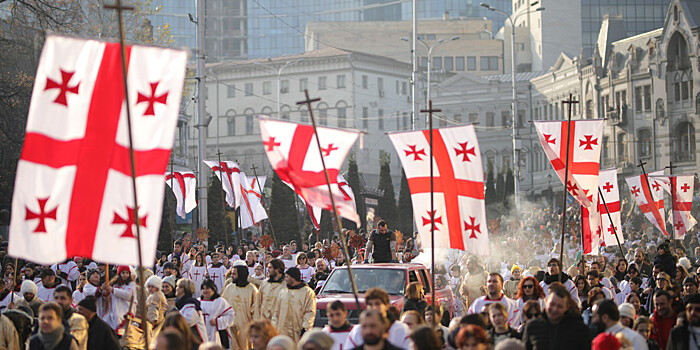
666,260
561,327
686,336
100,335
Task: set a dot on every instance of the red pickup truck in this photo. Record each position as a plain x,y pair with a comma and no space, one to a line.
393,278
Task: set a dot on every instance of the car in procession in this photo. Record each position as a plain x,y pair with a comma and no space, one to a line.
392,277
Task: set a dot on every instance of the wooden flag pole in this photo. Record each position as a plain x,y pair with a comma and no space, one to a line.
141,291
670,167
430,112
262,202
570,102
645,180
308,102
14,283
600,194
223,195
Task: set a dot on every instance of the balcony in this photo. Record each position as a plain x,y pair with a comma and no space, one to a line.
683,157
617,116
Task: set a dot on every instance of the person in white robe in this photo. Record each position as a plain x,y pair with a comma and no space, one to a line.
218,314
190,308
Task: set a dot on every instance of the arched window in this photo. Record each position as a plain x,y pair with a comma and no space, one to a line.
622,147
266,111
249,121
644,143
684,139
341,112
304,113
285,111
677,52
230,122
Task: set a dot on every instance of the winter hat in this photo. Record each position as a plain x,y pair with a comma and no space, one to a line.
282,341
690,280
154,281
685,263
693,299
239,263
169,280
28,287
627,310
89,303
123,268
294,273
515,267
317,337
605,341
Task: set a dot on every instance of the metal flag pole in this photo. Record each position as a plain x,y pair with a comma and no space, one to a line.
670,167
308,102
262,201
430,112
141,292
570,102
172,211
223,195
600,194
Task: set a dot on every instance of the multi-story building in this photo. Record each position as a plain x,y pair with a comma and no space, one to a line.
174,13
357,90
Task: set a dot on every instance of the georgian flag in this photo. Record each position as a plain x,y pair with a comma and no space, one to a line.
184,186
231,182
611,194
648,193
459,213
681,189
293,152
257,184
252,210
73,191
315,212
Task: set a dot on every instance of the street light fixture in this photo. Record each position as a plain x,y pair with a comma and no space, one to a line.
516,162
430,49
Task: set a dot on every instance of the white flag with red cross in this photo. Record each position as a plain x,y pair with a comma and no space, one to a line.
257,183
315,212
184,186
583,159
459,211
73,191
231,182
252,210
648,193
292,150
611,194
681,189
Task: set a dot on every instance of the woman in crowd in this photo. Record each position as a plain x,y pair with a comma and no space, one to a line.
175,322
168,289
644,327
156,303
530,311
472,337
620,273
198,272
500,330
528,289
162,259
190,308
681,274
260,332
120,292
78,292
414,298
412,319
218,314
583,288
636,301
424,338
303,265
594,295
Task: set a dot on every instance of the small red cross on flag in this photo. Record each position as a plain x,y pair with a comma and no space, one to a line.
184,187
231,181
650,203
459,212
296,159
611,195
73,192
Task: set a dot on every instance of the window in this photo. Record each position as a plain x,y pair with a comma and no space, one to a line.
404,88
303,84
638,102
340,81
471,63
304,115
321,83
284,86
365,118
505,118
489,62
457,118
398,87
622,147
459,60
644,142
231,91
424,62
604,149
406,120
647,98
365,82
380,119
489,118
249,89
684,140
473,117
323,116
449,64
342,117
249,124
380,84
231,126
437,63
267,88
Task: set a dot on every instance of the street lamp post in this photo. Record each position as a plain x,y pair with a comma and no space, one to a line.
516,163
430,49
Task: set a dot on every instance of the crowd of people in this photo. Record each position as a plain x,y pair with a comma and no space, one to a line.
642,294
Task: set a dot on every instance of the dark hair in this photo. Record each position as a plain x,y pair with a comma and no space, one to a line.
382,318
177,321
178,242
595,262
473,319
63,289
593,273
472,331
661,293
337,305
608,307
560,291
593,292
437,311
532,306
211,285
381,223
377,293
277,264
631,268
174,339
425,337
52,306
638,280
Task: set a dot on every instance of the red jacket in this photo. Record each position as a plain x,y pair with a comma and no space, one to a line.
662,328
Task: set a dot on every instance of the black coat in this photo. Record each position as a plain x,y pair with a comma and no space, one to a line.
668,264
418,305
679,338
65,343
101,336
570,333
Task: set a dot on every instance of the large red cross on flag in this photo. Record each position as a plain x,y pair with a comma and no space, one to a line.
316,212
611,193
73,192
459,214
231,181
681,189
652,205
293,152
256,183
184,185
252,210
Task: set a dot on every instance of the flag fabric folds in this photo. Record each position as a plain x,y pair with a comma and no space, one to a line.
681,189
252,210
459,214
611,194
648,193
184,186
231,181
293,152
316,212
73,191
